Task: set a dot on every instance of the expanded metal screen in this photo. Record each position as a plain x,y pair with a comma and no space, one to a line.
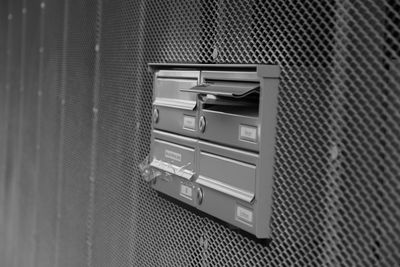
75,118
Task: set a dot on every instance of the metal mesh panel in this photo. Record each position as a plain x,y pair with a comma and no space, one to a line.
315,176
76,133
28,108
49,134
125,206
12,160
3,116
337,164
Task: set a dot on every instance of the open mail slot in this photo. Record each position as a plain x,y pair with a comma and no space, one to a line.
229,112
173,156
212,143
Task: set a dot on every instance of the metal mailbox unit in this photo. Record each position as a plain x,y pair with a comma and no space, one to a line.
213,137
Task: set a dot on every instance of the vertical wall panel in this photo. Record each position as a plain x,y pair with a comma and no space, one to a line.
49,138
28,130
3,116
76,142
12,149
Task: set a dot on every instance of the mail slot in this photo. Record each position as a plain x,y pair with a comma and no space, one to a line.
173,156
213,137
173,109
229,108
228,171
227,176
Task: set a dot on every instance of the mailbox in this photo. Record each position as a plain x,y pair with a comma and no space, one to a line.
213,136
174,110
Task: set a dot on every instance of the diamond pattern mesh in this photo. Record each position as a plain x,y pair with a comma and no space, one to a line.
72,194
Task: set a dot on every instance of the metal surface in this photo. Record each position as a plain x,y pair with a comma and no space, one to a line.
3,118
172,103
231,177
224,89
223,126
237,117
336,179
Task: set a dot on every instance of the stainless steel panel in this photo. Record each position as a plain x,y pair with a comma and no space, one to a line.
230,76
176,187
228,176
232,127
176,120
229,152
174,138
168,92
226,207
175,103
175,108
173,158
187,74
227,128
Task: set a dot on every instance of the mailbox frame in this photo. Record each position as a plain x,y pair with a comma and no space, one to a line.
268,78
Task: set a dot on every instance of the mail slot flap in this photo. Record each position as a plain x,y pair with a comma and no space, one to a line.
225,88
168,85
175,103
228,176
241,76
173,158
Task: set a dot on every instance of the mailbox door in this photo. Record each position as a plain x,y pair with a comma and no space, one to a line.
229,108
228,177
239,129
173,109
174,158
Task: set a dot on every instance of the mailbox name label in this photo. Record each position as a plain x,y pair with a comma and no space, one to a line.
172,155
186,191
189,123
244,215
248,133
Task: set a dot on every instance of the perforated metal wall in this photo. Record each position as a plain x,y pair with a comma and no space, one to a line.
75,109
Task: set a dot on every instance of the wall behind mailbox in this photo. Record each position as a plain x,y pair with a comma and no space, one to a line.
75,109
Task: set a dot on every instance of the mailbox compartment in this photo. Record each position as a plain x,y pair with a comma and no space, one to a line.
226,175
213,137
173,109
174,157
229,108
